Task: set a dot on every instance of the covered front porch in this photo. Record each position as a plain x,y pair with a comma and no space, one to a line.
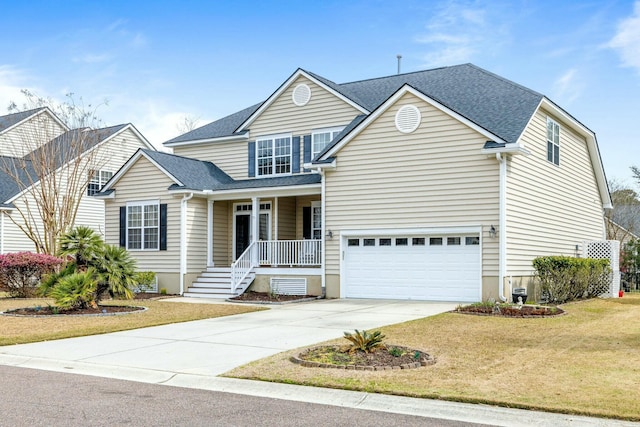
273,235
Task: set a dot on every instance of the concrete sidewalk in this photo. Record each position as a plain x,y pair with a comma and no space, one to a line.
193,354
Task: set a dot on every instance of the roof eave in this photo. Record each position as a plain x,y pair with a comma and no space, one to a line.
230,138
513,148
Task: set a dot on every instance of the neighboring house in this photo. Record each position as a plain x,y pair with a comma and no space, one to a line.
28,136
435,185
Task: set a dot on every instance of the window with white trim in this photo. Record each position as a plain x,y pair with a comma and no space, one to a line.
320,138
143,226
97,180
553,141
316,220
273,155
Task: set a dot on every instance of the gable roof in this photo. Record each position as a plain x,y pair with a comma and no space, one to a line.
22,167
494,103
10,120
198,175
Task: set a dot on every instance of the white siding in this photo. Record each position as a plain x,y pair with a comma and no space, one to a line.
433,177
26,137
231,157
550,208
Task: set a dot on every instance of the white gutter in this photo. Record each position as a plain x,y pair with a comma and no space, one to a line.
502,250
183,239
323,205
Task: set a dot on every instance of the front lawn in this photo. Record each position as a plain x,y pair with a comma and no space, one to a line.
19,330
584,362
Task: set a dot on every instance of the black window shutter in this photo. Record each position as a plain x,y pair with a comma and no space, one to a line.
123,226
307,150
306,222
295,154
252,159
163,227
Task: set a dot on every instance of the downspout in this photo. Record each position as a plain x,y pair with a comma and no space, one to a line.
323,209
183,239
502,226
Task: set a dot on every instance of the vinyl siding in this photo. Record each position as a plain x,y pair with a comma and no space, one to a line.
550,208
433,177
91,212
286,218
145,182
324,110
26,137
221,242
231,157
196,235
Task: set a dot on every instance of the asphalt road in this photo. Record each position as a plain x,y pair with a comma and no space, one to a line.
31,397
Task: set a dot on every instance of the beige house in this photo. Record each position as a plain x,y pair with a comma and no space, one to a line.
435,185
25,133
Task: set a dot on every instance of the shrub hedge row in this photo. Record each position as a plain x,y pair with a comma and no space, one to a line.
564,278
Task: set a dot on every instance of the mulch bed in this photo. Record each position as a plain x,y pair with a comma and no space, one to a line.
264,297
379,360
54,311
512,311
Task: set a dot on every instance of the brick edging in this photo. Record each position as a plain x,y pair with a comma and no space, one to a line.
428,360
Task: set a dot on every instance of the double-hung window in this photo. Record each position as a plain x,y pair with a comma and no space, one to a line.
273,155
553,141
97,180
143,226
320,138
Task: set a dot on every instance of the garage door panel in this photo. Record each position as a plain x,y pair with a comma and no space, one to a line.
447,272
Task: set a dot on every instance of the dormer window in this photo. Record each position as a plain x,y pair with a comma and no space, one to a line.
320,138
273,155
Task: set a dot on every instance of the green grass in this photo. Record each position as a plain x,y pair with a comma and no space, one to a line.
584,362
19,330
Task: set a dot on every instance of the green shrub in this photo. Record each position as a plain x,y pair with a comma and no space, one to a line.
144,280
76,290
364,341
564,278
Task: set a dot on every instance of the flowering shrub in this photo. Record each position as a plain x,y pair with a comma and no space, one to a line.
21,272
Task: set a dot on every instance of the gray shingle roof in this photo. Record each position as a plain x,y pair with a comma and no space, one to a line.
496,104
220,128
11,119
201,175
193,174
12,167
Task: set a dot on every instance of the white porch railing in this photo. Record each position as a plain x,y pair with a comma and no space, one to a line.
243,266
290,252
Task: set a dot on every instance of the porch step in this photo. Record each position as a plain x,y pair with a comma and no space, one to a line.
215,282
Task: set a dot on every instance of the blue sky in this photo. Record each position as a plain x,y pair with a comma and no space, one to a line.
157,62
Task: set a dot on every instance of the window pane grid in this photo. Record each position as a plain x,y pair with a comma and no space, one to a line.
143,231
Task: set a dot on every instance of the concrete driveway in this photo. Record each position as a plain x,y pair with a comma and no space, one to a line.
213,346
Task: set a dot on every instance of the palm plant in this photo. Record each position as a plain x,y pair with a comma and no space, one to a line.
83,244
116,272
76,290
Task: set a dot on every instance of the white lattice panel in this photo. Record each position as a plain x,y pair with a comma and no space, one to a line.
606,249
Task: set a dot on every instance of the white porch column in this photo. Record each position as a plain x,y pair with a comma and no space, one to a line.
210,233
255,226
275,219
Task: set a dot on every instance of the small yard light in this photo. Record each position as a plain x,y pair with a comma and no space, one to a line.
492,232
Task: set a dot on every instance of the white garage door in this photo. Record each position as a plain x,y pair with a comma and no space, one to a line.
438,268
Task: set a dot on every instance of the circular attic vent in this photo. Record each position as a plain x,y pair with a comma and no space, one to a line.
408,118
301,94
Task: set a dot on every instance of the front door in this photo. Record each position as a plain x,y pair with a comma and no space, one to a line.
242,227
243,234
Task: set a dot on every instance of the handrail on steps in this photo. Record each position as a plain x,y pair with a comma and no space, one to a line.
241,268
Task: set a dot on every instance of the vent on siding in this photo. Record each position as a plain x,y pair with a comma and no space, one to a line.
408,118
288,286
301,94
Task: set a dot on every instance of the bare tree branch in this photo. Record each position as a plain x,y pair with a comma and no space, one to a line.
50,160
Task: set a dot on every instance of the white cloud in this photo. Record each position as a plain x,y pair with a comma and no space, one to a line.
12,82
457,32
568,87
627,39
